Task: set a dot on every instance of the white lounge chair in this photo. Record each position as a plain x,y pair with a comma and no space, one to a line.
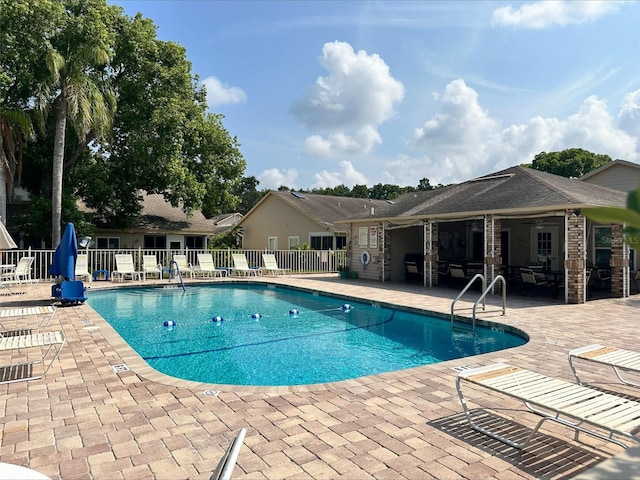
228,461
47,313
207,268
271,265
613,357
150,266
584,409
183,265
241,267
22,272
82,268
125,268
33,368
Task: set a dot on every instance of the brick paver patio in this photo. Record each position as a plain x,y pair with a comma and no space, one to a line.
87,420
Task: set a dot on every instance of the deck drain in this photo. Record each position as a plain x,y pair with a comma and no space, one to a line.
85,322
211,393
120,368
461,368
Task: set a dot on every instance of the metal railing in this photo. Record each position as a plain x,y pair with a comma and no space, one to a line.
296,261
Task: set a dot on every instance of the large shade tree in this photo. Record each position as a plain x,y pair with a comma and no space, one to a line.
571,163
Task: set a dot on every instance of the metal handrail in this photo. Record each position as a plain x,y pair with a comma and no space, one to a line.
464,290
175,264
484,294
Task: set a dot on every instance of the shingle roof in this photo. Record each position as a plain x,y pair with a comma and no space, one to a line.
327,209
516,189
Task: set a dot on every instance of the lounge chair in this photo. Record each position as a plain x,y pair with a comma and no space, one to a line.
22,272
34,368
150,266
82,268
611,356
125,268
183,265
46,312
271,265
228,461
207,268
534,281
582,408
241,267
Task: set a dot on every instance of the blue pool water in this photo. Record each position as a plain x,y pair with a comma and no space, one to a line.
322,342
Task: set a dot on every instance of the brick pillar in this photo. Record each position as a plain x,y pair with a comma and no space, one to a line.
492,249
385,252
617,262
432,253
575,262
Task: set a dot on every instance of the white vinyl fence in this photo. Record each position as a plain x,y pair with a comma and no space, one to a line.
297,261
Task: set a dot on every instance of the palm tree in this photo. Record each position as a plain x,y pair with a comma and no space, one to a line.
15,127
80,96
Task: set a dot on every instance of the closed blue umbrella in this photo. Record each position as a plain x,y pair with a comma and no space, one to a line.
64,258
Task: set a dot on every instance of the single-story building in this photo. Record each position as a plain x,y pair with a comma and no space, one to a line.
289,220
496,224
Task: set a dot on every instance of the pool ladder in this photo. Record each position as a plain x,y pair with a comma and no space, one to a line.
175,264
485,289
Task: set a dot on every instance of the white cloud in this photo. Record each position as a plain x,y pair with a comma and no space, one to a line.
349,176
543,14
358,94
629,116
221,94
273,178
462,141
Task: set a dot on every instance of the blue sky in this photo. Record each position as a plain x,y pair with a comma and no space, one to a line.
322,93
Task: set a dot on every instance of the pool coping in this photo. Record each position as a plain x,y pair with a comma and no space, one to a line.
133,361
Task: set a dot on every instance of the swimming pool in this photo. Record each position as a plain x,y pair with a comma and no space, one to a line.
274,336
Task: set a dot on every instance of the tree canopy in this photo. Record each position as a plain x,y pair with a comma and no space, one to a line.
571,163
138,119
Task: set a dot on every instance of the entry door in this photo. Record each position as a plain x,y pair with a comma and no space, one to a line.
544,244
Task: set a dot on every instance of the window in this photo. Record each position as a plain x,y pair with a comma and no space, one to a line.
293,242
321,242
155,241
272,243
602,243
341,242
108,243
194,242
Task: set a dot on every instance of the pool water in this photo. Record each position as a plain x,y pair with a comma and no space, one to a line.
273,336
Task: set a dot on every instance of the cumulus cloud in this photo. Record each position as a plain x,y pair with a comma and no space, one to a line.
629,116
543,14
358,94
274,178
222,94
349,176
462,141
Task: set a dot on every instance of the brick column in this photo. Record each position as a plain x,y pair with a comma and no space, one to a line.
432,253
492,249
575,262
617,261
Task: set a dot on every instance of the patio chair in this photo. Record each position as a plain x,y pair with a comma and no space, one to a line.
228,461
241,267
533,282
125,268
616,358
601,279
150,266
21,274
34,367
183,265
207,268
271,265
597,413
47,313
82,268
636,280
457,273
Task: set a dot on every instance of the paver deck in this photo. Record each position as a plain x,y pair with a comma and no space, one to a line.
87,419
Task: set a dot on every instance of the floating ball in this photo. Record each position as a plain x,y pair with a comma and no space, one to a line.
170,323
256,315
346,306
293,311
217,319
